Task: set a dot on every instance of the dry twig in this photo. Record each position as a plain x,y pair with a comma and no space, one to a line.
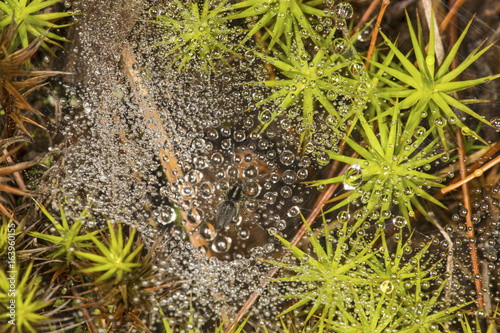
468,221
385,3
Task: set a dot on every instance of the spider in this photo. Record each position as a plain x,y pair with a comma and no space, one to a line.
229,208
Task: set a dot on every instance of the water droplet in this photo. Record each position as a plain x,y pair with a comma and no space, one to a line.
340,24
387,287
332,95
463,212
198,144
287,157
430,61
302,174
265,116
221,244
344,10
167,215
217,159
251,189
440,122
335,79
206,190
212,134
323,158
286,191
321,187
343,216
340,46
193,176
239,136
356,68
226,144
399,221
419,132
289,177
207,231
187,191
496,123
243,233
251,172
409,192
353,177
293,211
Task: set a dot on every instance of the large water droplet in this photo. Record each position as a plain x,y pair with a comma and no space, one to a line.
287,157
343,216
387,287
323,159
399,221
289,177
340,46
221,244
251,189
353,177
293,211
419,132
167,215
344,10
207,231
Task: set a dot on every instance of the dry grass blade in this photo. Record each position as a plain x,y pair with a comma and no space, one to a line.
6,173
13,89
8,170
8,154
468,220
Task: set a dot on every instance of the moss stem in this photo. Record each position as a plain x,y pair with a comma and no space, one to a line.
468,220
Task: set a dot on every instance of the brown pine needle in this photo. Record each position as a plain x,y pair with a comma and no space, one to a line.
470,227
385,3
366,15
477,173
446,21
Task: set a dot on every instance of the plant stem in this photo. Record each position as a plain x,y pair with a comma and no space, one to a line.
448,18
477,173
146,104
385,3
366,16
17,175
470,226
167,158
452,34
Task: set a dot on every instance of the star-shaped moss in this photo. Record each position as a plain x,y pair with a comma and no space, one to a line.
32,24
426,90
191,32
277,17
329,81
389,170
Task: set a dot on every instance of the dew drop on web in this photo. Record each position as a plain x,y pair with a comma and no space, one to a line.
399,221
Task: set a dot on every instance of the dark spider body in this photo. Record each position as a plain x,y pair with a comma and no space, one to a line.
228,209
